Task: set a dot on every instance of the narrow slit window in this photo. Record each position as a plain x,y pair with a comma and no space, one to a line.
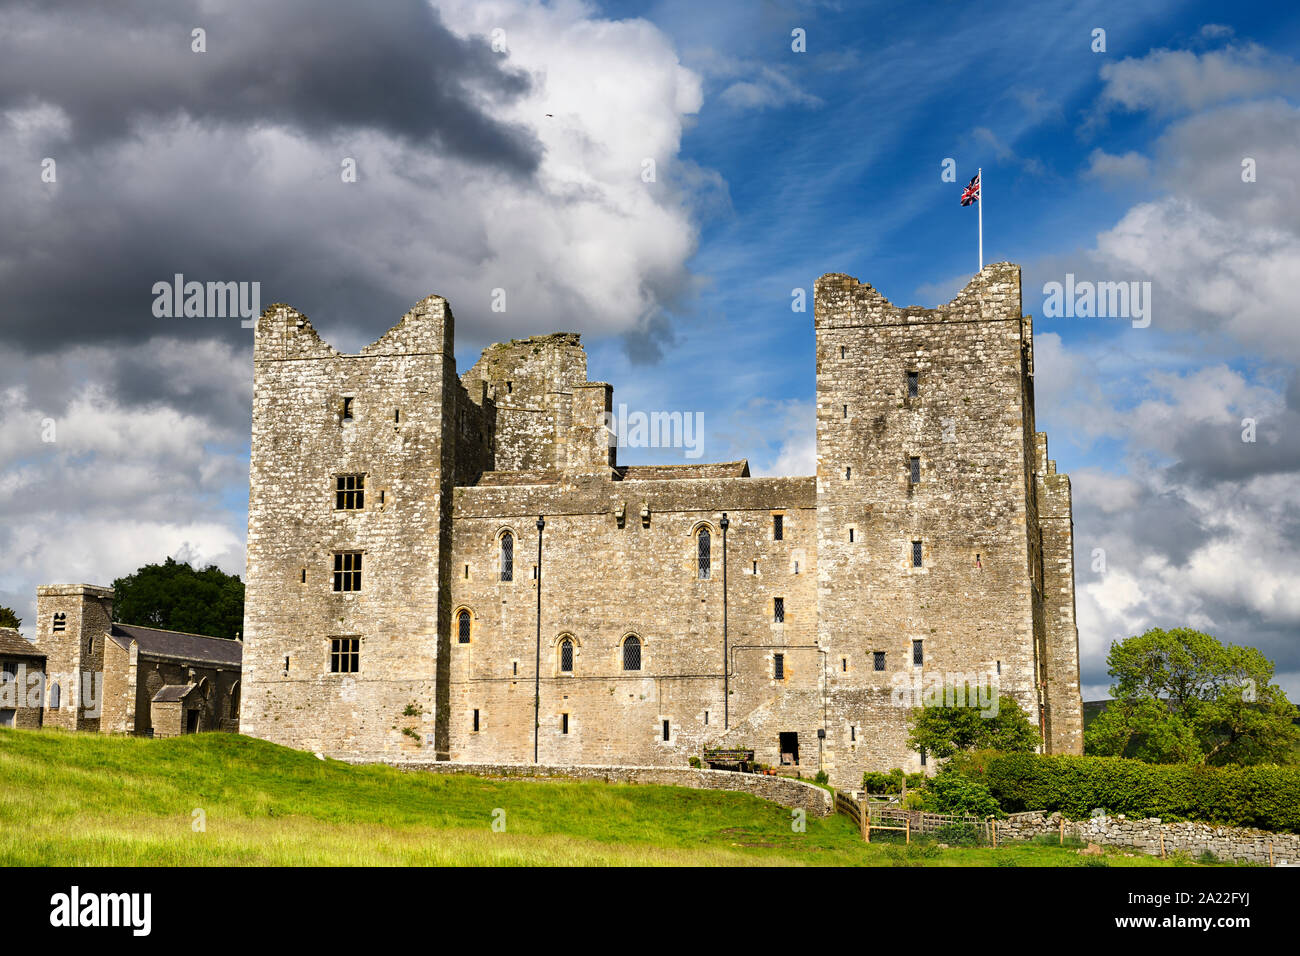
841,351
914,468
566,656
913,384
850,536
916,554
853,733
844,664
667,736
704,554
564,723
304,576
507,557
778,610
397,415
464,624
878,660
918,652
778,667
846,411
848,473
778,527
756,567
347,409
476,720
706,718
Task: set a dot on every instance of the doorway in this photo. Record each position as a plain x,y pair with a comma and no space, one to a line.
789,747
191,721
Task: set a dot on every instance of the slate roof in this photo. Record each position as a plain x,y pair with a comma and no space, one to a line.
13,644
170,693
179,646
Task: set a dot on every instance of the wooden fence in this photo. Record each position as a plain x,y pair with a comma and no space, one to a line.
908,822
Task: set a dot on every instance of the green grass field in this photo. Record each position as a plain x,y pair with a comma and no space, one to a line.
81,799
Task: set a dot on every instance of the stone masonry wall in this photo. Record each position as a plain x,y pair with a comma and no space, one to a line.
780,790
1236,844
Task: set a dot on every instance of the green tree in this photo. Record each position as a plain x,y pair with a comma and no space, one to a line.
954,792
9,619
1181,696
177,597
944,731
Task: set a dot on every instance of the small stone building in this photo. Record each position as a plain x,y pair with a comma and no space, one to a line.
22,676
127,679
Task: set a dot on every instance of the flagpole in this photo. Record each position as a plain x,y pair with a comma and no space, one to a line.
980,202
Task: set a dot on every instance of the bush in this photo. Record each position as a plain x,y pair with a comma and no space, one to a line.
876,782
959,834
953,792
1267,797
694,762
822,778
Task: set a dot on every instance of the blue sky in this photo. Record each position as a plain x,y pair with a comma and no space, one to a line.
517,165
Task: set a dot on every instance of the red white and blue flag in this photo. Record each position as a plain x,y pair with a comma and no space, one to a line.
971,194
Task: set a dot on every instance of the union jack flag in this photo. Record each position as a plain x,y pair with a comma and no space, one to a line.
971,194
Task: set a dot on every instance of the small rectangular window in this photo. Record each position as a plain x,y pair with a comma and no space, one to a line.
706,718
916,554
756,567
853,733
918,652
349,492
915,467
846,411
850,536
286,665
347,570
397,415
848,472
564,723
476,720
666,735
913,384
778,527
304,576
844,664
345,655
347,409
922,756
778,610
467,572
999,667
841,351
778,667
878,660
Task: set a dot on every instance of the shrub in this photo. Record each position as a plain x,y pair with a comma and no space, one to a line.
953,792
694,762
958,834
822,778
877,782
1265,796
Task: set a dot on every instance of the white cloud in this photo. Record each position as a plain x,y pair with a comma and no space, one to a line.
1174,81
1106,166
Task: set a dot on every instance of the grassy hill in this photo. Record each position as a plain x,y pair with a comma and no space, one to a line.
83,799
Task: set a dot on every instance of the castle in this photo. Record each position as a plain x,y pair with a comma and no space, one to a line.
401,518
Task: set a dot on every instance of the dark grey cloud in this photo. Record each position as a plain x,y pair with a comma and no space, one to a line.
390,66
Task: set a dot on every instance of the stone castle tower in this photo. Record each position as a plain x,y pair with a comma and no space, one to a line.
393,550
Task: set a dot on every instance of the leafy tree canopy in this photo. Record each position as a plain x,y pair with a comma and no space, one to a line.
9,619
1181,696
177,597
944,731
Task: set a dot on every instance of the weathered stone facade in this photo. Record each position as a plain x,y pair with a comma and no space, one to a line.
105,676
436,650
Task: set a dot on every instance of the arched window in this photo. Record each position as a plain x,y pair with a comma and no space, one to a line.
234,701
462,626
507,557
705,555
55,694
566,656
632,653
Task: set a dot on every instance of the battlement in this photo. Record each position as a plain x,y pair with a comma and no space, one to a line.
842,301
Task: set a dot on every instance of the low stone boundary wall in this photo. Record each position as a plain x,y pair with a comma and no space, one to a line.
785,791
1237,844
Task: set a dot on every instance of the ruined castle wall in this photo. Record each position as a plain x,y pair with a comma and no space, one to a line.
1064,701
397,437
970,603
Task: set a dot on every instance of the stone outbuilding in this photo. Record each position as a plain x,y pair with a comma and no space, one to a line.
22,677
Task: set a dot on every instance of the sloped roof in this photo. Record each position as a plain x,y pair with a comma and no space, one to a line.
177,645
170,693
13,644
